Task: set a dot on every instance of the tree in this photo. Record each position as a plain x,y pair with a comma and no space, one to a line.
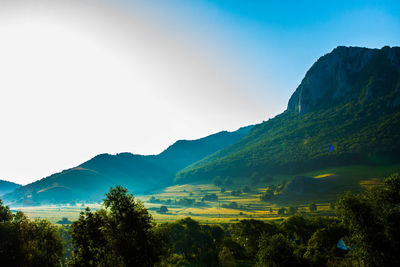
210,197
228,181
28,243
269,194
321,246
372,219
119,234
218,181
282,211
246,189
64,220
248,232
163,209
236,193
312,207
197,243
292,210
275,251
226,258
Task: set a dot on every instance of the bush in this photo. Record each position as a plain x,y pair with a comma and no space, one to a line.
163,209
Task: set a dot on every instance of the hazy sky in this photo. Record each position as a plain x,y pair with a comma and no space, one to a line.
80,77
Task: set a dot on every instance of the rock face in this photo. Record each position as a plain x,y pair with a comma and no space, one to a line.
349,74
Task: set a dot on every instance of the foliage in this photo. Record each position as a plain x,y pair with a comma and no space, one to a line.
282,211
246,189
275,251
355,129
236,193
312,207
195,242
163,209
226,258
120,234
267,195
247,233
97,175
232,205
292,210
28,243
372,219
210,197
218,181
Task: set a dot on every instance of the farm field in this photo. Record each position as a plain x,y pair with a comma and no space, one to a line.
228,207
204,215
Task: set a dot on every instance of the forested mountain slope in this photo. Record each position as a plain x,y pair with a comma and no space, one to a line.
346,110
89,181
6,187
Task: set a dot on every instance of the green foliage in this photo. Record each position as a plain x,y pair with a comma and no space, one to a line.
247,233
120,234
218,181
267,195
28,243
195,242
64,220
353,129
246,189
322,245
372,219
97,175
163,209
312,207
236,193
210,197
282,211
232,205
275,251
292,210
226,258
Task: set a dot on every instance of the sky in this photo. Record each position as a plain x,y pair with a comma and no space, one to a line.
84,77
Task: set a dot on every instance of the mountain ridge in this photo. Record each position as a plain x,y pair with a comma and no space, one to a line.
89,180
7,186
358,125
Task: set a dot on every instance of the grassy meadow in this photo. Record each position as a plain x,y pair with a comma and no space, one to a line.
247,204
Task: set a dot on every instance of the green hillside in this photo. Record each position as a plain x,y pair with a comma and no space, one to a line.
89,181
6,187
360,125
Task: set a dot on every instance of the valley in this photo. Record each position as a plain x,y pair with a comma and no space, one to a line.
187,200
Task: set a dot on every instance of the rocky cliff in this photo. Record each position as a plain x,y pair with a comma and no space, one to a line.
349,74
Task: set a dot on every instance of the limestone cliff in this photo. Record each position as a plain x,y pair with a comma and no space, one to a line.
349,74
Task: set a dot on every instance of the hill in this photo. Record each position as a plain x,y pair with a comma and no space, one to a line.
345,111
6,187
90,180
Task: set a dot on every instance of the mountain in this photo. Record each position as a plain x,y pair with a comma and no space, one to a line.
90,180
345,111
7,187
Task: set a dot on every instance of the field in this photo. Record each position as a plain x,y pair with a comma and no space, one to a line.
227,207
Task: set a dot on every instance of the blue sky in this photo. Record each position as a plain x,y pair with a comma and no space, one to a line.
80,78
279,40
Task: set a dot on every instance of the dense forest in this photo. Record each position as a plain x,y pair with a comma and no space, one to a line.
364,232
345,111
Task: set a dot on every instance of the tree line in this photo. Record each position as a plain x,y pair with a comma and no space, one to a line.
364,232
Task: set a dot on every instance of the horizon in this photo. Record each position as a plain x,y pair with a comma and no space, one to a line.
233,65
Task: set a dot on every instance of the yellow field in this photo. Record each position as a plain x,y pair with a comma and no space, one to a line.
371,182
